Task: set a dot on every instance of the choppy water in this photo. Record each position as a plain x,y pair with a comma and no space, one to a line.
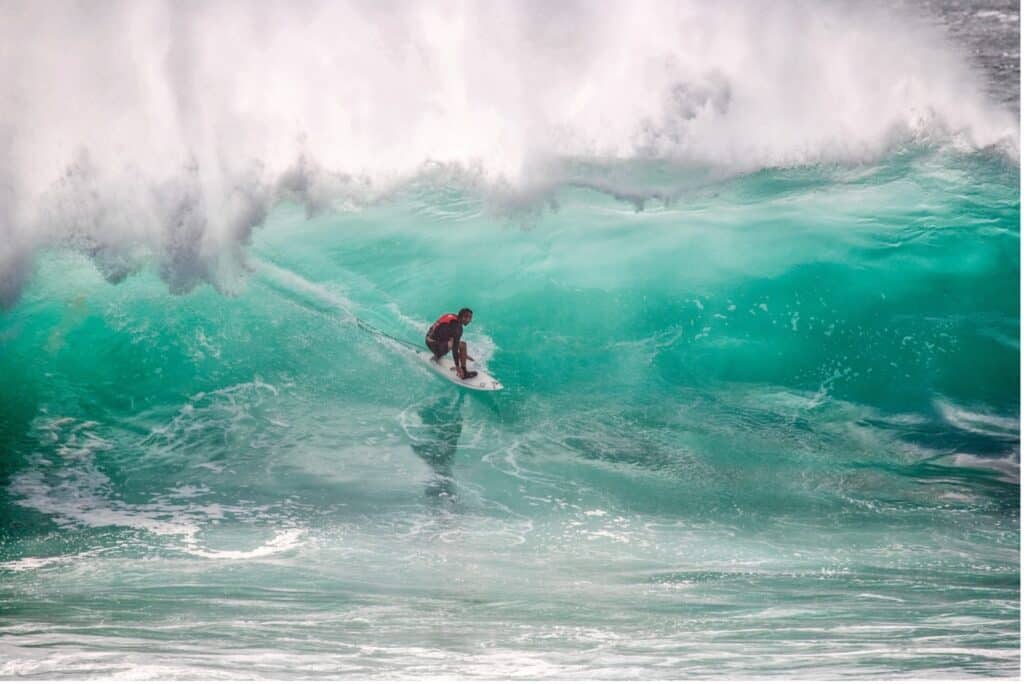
761,359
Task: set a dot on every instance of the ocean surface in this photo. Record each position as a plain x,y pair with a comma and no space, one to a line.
749,274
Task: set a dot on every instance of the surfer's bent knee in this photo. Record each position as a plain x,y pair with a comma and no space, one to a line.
437,349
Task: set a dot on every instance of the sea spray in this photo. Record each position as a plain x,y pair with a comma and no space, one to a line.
191,121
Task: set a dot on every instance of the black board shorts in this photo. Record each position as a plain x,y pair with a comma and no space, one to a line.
439,349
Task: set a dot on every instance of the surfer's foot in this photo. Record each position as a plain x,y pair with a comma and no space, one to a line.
464,374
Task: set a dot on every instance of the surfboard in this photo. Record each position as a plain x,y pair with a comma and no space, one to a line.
483,381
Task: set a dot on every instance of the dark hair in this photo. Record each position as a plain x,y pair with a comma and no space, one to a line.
463,312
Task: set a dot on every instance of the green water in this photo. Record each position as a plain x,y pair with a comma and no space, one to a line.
768,427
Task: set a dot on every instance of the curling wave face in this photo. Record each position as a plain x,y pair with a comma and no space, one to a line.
787,383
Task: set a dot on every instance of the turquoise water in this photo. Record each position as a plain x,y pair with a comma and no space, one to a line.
768,429
757,422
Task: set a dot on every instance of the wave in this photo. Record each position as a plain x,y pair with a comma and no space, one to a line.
166,131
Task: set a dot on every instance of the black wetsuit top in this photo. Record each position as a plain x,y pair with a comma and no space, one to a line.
439,335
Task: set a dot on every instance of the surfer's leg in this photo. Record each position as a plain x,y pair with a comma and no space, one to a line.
436,349
463,355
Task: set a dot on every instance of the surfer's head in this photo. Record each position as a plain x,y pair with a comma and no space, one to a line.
465,316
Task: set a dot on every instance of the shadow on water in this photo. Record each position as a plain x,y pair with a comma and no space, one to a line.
436,443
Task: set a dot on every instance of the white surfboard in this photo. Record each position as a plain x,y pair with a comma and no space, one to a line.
483,380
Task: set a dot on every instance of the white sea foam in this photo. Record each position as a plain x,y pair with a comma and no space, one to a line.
70,487
74,491
282,541
35,563
166,131
978,422
1008,466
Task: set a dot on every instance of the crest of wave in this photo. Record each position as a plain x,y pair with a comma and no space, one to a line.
165,131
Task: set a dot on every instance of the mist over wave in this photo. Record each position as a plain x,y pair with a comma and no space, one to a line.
165,131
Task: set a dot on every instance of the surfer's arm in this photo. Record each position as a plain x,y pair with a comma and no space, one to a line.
454,342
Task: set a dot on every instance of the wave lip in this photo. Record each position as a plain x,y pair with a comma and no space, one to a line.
192,121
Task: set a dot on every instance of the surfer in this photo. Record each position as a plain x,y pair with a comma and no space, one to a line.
446,335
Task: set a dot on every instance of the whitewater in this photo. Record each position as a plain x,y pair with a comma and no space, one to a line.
749,274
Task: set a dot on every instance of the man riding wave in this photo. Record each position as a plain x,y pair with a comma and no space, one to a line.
446,335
